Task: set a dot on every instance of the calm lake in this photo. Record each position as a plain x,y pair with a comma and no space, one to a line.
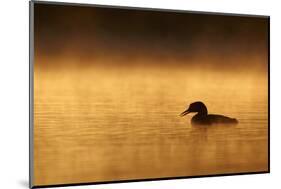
104,124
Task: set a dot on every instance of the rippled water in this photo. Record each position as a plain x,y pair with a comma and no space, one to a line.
99,124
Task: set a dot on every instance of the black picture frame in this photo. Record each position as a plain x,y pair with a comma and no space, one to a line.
31,91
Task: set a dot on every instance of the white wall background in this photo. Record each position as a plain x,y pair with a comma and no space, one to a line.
14,93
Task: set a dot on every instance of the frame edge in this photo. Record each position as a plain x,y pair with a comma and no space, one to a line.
31,59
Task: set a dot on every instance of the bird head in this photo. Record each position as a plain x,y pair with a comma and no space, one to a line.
198,107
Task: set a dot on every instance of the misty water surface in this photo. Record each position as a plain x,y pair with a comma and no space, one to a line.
112,123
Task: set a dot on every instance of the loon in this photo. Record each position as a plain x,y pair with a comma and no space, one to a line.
203,118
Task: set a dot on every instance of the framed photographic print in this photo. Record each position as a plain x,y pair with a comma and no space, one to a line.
120,94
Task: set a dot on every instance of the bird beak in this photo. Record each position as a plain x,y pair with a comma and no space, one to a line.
184,113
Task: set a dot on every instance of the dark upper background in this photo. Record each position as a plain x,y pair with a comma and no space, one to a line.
89,32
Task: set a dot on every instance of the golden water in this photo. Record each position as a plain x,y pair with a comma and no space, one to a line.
101,124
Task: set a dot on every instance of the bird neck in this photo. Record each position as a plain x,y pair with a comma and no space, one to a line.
202,112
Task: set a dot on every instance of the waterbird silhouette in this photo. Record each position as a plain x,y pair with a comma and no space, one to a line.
203,118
